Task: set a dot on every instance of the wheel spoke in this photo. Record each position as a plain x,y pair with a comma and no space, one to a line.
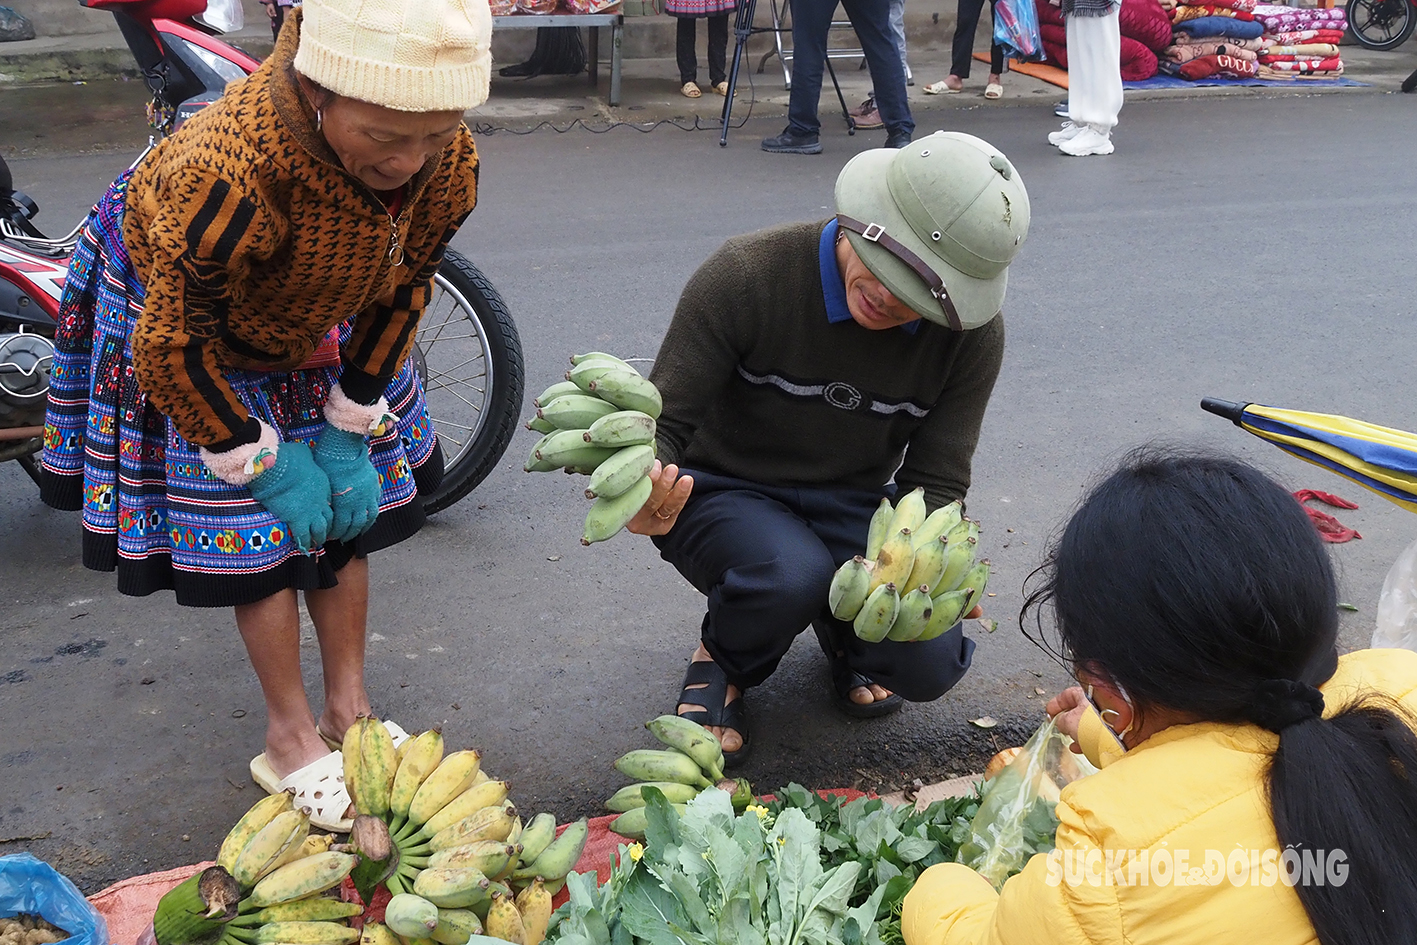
449,423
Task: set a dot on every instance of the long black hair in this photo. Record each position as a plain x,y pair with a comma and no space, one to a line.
1199,584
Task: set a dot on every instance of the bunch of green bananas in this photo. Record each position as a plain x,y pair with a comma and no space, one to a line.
266,886
692,763
410,918
932,557
600,421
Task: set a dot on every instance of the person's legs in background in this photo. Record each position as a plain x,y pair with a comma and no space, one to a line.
867,116
811,19
1094,84
871,20
897,21
718,52
688,60
994,86
962,49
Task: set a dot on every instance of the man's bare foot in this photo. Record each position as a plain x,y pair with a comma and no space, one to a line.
866,695
728,738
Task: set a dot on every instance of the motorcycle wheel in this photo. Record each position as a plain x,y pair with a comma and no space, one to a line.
469,357
1381,24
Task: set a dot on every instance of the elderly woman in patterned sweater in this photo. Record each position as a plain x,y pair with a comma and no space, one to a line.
234,406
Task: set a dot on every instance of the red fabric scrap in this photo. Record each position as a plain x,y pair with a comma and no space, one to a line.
1330,529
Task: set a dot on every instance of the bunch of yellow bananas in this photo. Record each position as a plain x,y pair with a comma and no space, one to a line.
600,421
932,557
692,763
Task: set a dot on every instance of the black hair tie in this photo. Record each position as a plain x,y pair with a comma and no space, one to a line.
1280,703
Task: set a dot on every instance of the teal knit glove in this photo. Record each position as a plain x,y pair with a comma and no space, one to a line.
297,492
354,483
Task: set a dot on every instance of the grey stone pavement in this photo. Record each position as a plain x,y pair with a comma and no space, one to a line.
1251,245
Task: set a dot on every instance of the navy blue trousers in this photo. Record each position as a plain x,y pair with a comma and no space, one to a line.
811,19
764,557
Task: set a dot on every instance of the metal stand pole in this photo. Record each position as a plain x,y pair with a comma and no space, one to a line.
742,29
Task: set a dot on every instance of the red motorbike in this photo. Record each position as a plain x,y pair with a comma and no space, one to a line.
468,353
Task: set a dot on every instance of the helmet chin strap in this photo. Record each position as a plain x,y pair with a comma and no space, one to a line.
877,234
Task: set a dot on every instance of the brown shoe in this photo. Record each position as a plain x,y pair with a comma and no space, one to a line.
868,120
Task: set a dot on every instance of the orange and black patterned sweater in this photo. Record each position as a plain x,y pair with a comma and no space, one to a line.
252,242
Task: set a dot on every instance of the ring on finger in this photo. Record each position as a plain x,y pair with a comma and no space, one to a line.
663,514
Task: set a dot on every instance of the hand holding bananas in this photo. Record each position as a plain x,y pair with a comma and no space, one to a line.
919,575
600,421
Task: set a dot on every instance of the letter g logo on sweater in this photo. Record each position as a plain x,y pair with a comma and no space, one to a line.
842,395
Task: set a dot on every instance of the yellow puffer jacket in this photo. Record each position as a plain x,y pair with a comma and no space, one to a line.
1187,790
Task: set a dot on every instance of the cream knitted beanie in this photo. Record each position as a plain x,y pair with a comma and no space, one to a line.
409,55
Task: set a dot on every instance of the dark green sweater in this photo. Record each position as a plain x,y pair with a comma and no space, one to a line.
758,384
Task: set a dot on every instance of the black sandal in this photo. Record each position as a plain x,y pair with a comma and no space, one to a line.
714,686
845,679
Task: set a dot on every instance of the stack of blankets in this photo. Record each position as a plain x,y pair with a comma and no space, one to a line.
1145,28
1248,39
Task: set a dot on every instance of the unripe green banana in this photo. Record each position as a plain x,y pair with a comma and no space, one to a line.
452,777
631,795
536,464
628,391
692,739
534,904
555,390
913,615
306,933
538,425
251,823
537,836
877,614
504,921
880,529
644,764
959,558
621,428
587,372
411,915
894,561
633,823
305,877
623,469
937,523
607,516
455,926
460,888
554,446
560,856
267,849
909,511
975,582
964,530
490,823
481,795
948,608
313,909
574,411
418,763
849,588
600,356
929,564
378,763
490,856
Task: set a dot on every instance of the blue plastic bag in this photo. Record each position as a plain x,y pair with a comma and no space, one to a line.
31,886
1016,29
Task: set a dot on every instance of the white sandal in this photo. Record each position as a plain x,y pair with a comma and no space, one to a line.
318,788
691,90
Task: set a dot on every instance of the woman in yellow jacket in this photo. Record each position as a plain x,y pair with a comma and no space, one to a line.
1256,786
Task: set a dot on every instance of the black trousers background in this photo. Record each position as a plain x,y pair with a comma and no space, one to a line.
717,49
962,52
764,557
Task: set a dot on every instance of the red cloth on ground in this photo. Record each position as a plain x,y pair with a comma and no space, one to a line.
1330,529
1138,62
1207,66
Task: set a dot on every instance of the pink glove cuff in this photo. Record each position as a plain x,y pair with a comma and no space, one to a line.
365,420
240,465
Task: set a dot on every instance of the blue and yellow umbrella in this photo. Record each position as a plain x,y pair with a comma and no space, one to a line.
1377,458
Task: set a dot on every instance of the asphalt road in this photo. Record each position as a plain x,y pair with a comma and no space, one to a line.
1250,248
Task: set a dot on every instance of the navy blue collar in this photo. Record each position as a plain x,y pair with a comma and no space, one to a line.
833,287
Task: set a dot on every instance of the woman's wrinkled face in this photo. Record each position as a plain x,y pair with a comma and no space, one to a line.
381,146
872,305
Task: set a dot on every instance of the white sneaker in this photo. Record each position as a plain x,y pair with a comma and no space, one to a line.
1069,131
1087,141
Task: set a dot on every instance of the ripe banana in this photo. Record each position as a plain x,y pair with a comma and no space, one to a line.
692,739
269,846
587,372
251,823
948,608
534,905
959,558
490,823
628,391
634,823
607,516
877,614
411,915
894,561
537,836
469,802
849,588
975,582
621,428
909,511
616,475
449,780
378,763
645,764
914,614
306,933
313,874
314,843
560,857
631,796
600,356
452,888
880,528
418,763
554,391
929,565
937,523
574,411
455,926
377,933
492,857
313,909
504,921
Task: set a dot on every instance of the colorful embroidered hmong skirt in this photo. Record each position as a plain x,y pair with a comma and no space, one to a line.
153,512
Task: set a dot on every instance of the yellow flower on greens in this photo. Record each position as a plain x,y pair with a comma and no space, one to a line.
636,851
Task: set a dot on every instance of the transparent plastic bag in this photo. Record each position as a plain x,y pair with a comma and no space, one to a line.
1397,607
1016,29
31,886
1015,818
